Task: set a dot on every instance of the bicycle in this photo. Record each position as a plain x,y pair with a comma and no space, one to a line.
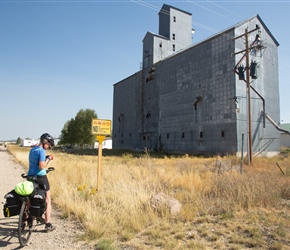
26,220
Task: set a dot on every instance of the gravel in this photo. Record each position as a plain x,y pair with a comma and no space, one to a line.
67,233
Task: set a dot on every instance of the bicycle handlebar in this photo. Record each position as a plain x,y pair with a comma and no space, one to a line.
50,169
34,178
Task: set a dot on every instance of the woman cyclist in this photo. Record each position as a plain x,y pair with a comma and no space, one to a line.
37,163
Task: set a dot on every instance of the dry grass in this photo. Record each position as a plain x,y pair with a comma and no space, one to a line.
221,208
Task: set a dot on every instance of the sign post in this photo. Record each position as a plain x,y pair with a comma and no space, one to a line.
100,128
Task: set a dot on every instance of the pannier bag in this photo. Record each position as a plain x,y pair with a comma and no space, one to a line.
12,204
37,202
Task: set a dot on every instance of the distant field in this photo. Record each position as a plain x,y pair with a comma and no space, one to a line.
222,208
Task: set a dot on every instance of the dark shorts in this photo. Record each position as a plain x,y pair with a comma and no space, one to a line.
43,182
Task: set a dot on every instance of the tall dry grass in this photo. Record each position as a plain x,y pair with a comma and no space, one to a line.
204,186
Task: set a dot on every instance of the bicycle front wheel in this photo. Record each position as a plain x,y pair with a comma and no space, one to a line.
24,225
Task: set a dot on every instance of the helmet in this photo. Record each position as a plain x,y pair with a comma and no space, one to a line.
47,138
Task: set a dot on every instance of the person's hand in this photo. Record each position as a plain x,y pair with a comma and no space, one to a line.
50,157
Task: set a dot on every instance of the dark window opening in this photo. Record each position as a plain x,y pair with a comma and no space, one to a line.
148,114
174,19
223,133
182,135
144,138
130,135
151,74
200,134
122,135
173,47
173,36
167,136
160,45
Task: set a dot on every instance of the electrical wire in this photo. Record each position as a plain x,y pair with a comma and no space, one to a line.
212,11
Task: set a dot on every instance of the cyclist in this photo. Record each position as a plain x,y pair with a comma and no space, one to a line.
37,163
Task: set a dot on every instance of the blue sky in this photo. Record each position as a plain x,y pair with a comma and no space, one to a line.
57,57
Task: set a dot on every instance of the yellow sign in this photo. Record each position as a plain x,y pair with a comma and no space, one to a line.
101,138
101,127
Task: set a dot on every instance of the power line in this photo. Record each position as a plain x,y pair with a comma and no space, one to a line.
223,8
209,10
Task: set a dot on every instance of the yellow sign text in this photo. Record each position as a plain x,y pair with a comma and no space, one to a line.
101,127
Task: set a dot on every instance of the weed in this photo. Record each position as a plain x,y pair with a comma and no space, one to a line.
105,244
220,206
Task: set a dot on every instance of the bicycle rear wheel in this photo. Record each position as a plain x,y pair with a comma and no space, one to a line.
24,225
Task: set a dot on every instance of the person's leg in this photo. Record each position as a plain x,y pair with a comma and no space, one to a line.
48,207
48,226
44,184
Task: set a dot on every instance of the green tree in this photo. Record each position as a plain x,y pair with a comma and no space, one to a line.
66,133
78,130
18,141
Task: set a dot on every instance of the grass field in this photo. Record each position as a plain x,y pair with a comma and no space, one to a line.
222,207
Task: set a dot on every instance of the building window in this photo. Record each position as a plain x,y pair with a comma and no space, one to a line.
173,47
173,36
130,135
200,134
222,134
168,136
174,19
182,136
160,45
151,75
144,138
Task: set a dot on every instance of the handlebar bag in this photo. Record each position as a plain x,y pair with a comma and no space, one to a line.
37,202
12,204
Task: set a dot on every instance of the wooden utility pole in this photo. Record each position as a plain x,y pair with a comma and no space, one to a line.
249,98
248,85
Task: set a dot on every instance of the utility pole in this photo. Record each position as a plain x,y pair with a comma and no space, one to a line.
248,84
249,98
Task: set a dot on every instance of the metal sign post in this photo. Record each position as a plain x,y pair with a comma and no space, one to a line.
101,128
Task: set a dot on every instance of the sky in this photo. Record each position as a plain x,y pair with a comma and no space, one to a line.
60,56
